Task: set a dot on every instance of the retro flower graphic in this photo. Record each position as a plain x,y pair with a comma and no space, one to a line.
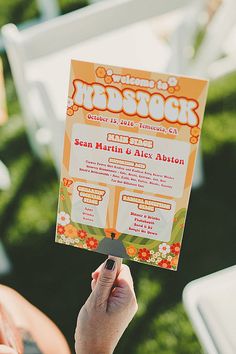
174,261
79,244
144,254
175,248
161,85
71,107
75,107
156,254
108,79
70,231
131,251
63,218
193,140
164,264
60,229
100,72
92,243
164,86
70,111
70,102
172,81
195,131
171,90
164,248
82,234
109,72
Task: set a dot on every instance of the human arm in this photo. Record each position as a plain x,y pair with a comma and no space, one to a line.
108,310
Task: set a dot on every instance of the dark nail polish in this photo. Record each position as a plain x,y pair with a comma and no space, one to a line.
110,264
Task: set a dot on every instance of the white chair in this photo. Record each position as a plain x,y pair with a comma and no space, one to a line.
210,303
36,57
5,181
40,56
217,51
5,264
47,10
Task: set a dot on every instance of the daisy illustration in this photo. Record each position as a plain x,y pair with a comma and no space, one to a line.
63,218
69,102
172,81
164,248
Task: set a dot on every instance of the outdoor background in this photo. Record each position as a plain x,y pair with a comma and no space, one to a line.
56,278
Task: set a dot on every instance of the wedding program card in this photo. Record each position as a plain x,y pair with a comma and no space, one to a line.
130,146
3,108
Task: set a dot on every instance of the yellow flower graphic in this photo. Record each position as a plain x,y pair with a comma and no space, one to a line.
195,131
193,140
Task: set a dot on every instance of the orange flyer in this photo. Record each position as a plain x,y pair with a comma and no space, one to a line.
130,146
3,108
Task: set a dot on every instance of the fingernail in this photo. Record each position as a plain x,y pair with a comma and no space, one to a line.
110,264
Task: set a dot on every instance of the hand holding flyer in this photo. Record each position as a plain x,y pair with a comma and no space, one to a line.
129,151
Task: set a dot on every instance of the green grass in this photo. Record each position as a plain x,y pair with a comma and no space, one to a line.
56,278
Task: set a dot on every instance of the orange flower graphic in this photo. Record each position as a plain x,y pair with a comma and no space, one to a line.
175,248
131,251
60,229
101,72
193,140
195,131
174,261
70,231
82,234
75,107
164,264
171,90
108,79
143,254
92,243
70,111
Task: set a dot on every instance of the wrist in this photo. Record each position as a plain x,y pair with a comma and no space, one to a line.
80,349
93,351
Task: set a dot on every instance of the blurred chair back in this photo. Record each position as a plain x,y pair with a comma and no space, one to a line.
210,303
213,48
39,57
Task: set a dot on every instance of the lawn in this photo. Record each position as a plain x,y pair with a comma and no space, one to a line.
56,278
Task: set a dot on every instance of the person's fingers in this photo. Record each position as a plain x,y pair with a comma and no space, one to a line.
118,263
93,283
124,279
96,273
105,281
123,296
4,349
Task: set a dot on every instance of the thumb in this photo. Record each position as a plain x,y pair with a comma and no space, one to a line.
106,280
